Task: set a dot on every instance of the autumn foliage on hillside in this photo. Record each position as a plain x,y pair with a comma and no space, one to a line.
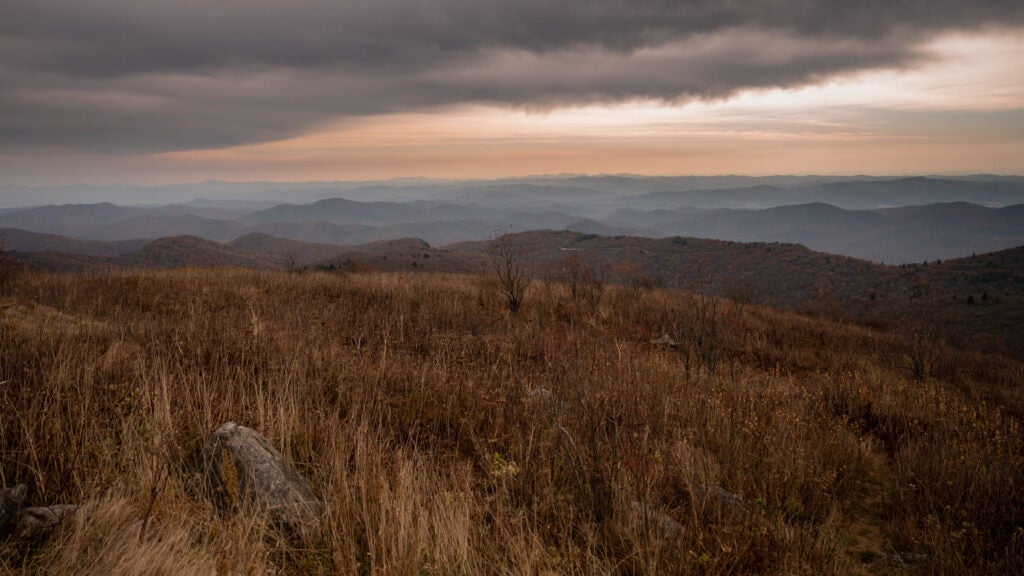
445,435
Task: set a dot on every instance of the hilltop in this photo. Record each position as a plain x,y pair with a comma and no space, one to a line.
977,301
45,252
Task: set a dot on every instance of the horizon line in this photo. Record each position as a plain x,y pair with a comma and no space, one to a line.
558,176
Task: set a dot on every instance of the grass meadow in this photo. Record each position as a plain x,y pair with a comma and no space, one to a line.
446,435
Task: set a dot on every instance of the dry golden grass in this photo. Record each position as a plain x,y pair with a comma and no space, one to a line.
406,400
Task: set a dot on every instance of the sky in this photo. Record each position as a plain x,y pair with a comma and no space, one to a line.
151,91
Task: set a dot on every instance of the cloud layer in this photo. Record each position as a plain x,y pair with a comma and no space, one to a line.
120,76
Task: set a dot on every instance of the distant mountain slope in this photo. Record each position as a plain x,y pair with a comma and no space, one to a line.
179,251
856,194
758,196
978,301
343,211
47,261
284,250
183,251
106,221
999,272
24,241
897,235
793,223
578,201
153,227
783,273
259,251
588,226
817,212
60,219
332,221
776,273
404,254
916,190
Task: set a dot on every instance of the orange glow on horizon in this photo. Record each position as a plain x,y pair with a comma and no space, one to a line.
834,127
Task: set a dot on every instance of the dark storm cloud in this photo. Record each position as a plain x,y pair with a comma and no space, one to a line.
150,75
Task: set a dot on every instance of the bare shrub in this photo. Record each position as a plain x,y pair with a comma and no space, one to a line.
7,268
633,277
698,328
921,335
512,267
586,282
291,262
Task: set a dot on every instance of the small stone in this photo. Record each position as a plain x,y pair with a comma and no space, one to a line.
666,341
905,558
661,523
547,400
730,500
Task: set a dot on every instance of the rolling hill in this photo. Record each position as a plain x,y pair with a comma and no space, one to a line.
17,240
793,276
284,250
855,194
344,211
894,235
892,220
190,251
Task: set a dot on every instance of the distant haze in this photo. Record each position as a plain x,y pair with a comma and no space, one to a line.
600,192
889,220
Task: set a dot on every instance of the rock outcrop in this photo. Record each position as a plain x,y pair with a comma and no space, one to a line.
240,469
28,523
37,522
12,501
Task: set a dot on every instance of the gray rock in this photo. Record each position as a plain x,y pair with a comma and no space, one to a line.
730,500
548,401
239,468
660,523
37,522
28,523
906,558
666,341
12,500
